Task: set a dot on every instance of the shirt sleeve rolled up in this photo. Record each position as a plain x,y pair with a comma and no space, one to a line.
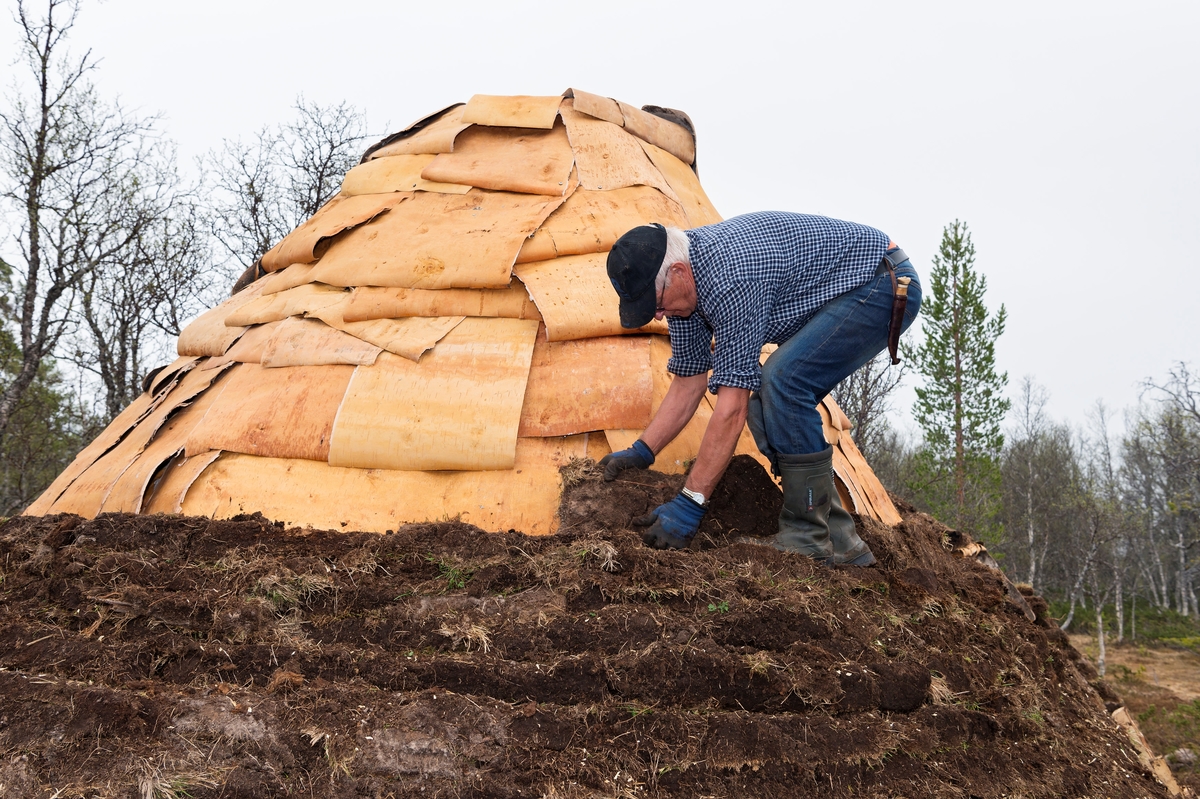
691,345
738,329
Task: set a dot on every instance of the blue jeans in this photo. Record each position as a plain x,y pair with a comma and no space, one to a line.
844,334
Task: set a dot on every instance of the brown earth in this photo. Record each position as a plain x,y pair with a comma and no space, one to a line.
166,656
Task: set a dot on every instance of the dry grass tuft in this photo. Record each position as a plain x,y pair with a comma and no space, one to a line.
284,680
290,591
289,631
467,633
552,567
579,470
760,663
939,691
602,551
159,780
364,560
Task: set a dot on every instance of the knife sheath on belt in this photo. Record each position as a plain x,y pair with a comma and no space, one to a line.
899,303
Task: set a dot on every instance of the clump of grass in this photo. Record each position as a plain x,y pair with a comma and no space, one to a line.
759,663
634,709
289,631
579,470
1186,718
1187,642
165,780
939,691
1127,675
363,560
455,577
467,633
1153,624
602,551
292,591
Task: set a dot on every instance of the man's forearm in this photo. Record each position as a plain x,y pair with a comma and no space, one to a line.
678,406
720,439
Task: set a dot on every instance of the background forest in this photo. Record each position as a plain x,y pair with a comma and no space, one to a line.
110,246
1099,516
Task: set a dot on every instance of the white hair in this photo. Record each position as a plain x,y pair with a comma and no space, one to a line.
677,252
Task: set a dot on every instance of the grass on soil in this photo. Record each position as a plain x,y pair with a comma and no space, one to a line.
158,656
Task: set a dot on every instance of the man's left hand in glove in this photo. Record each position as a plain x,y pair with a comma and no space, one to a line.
673,525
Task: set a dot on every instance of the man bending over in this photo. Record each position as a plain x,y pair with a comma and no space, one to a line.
824,290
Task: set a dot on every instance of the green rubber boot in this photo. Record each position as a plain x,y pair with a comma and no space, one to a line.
804,521
813,521
848,548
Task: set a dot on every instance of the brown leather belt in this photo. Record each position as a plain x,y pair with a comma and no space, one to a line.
891,259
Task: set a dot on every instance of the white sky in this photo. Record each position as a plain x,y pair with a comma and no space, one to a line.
1066,134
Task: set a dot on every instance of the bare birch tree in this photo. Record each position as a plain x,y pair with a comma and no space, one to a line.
66,156
1041,474
265,187
133,305
1162,465
1031,427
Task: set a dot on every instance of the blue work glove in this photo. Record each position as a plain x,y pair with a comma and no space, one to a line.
673,525
639,456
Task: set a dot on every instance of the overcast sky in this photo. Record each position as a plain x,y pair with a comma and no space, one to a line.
1066,134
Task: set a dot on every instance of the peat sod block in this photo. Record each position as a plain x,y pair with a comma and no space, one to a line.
164,656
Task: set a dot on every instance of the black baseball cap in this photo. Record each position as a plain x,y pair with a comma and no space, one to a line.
633,264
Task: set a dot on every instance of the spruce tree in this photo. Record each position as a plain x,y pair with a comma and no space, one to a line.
961,405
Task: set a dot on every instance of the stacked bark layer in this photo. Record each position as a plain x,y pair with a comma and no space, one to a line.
435,342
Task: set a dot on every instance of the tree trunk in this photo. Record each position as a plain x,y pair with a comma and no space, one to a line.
1148,576
1163,600
1133,615
1077,589
1070,616
1100,658
1042,558
960,460
1029,519
1120,606
1182,580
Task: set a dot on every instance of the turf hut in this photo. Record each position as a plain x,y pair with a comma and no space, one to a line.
435,342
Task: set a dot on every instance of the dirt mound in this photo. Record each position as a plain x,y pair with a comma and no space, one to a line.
176,656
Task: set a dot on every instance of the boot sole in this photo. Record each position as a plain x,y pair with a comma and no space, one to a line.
863,560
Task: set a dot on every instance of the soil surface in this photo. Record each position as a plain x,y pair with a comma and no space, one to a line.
148,656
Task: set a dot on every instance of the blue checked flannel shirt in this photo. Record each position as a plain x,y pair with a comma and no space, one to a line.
759,278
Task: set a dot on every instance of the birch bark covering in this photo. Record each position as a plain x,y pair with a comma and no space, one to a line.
396,173
370,303
275,413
